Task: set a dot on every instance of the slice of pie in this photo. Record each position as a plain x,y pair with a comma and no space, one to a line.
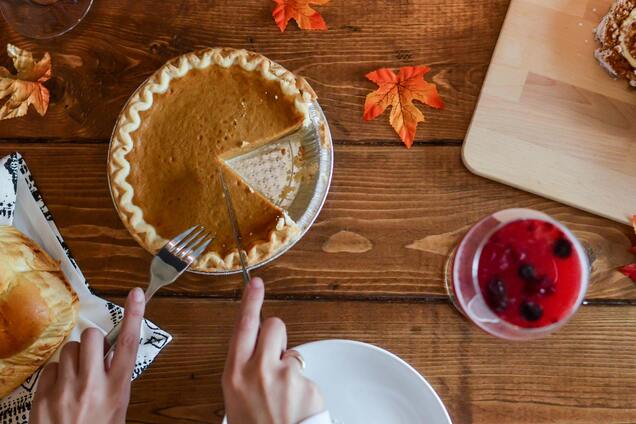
171,140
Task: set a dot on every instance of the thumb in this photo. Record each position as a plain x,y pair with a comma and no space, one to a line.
128,341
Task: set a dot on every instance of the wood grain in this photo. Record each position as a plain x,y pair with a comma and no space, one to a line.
98,65
390,220
585,373
550,119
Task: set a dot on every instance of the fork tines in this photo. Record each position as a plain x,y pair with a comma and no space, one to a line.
190,244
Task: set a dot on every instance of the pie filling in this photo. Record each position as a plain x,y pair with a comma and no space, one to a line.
211,114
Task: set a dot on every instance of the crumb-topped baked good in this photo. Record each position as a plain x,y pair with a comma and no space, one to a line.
171,140
38,308
617,35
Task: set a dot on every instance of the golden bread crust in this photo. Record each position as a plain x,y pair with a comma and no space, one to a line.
38,308
616,34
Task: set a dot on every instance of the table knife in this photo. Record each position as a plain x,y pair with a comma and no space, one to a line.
235,230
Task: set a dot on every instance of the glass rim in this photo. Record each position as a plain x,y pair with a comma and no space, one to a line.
520,214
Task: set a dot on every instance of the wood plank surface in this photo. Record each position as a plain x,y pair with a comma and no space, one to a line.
586,373
550,119
390,220
98,65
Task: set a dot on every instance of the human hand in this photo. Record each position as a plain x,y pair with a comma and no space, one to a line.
83,387
261,386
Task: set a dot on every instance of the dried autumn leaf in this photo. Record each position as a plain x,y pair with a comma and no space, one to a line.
301,11
399,91
26,87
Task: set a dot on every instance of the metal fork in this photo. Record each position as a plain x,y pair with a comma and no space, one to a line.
171,261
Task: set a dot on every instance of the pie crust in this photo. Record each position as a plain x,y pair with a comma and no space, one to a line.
295,90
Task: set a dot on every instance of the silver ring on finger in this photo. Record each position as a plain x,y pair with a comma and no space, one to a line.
291,353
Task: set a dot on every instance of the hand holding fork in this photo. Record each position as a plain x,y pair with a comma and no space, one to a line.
171,261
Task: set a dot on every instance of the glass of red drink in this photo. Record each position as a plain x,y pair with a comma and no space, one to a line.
518,274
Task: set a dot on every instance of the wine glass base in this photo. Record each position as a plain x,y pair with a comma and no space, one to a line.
465,291
44,21
448,281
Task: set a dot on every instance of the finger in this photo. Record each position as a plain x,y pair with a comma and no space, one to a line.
245,333
293,358
69,361
108,360
91,352
38,410
292,363
47,379
272,341
128,341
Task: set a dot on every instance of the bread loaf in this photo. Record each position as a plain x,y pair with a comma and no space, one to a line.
38,308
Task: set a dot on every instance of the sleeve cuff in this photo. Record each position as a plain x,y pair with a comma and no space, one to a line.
322,418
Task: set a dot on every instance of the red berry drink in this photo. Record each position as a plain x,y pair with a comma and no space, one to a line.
529,273
519,274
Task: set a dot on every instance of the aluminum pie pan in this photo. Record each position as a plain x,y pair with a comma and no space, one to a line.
306,204
306,200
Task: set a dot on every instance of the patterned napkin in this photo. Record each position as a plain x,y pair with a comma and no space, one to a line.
21,205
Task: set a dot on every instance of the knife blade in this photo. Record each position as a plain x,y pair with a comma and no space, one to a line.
235,230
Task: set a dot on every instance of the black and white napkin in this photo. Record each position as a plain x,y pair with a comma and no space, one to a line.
21,205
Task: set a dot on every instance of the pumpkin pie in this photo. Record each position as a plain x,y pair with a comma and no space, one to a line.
171,142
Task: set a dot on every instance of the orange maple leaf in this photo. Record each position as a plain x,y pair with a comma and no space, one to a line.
25,88
399,91
301,12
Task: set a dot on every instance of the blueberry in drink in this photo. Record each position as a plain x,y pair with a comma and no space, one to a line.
529,274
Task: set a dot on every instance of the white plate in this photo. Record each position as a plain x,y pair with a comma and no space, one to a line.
364,384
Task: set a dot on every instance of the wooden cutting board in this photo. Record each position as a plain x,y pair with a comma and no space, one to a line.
550,120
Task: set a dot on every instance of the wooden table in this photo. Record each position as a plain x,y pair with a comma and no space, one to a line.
371,267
